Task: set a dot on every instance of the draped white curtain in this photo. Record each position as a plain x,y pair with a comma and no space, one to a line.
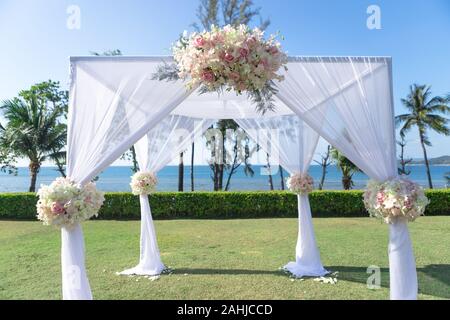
349,102
111,106
153,151
292,142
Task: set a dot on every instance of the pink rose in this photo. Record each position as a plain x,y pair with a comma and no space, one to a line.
243,52
380,197
228,57
208,76
199,42
58,208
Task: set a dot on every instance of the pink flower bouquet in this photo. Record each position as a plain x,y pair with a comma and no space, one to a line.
394,199
231,57
64,203
143,182
300,183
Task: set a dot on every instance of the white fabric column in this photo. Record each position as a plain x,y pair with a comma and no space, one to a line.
349,102
113,103
75,282
155,150
292,142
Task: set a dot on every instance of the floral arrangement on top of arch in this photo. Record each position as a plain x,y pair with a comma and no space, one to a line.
230,58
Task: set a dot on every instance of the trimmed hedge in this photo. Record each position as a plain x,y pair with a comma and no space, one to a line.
208,205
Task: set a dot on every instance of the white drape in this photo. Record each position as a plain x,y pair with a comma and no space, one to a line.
349,102
111,106
293,142
153,151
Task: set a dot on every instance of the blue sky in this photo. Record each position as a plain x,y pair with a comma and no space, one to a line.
36,43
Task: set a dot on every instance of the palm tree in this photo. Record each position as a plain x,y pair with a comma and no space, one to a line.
33,131
347,168
424,114
7,159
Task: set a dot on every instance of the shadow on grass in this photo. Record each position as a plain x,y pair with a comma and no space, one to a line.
434,279
233,272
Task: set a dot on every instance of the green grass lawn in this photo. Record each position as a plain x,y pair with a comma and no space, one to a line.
221,259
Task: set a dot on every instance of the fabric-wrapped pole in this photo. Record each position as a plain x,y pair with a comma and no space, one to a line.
403,281
149,260
74,279
153,152
287,139
307,257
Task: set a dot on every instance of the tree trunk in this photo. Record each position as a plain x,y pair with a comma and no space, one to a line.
222,164
60,168
425,157
270,173
134,159
322,179
281,176
325,163
34,170
346,182
181,173
233,167
192,166
270,182
220,177
216,177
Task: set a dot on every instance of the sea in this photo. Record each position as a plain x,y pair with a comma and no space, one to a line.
118,178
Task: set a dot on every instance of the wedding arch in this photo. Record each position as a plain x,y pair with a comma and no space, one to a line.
116,102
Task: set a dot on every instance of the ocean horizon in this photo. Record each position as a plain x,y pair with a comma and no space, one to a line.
117,178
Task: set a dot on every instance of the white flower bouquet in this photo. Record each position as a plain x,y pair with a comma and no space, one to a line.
300,183
143,182
64,203
397,198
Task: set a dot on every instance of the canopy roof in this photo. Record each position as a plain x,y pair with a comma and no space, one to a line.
131,76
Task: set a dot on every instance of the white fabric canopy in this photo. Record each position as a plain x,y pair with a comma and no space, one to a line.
155,150
347,100
294,142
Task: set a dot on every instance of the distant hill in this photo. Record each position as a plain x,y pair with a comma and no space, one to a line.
444,160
